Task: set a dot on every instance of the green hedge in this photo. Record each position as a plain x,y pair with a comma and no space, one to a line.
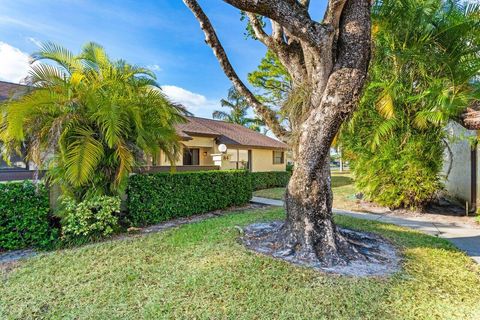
153,198
25,216
271,179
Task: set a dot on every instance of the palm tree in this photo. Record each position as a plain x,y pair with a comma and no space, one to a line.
238,111
424,73
428,65
89,119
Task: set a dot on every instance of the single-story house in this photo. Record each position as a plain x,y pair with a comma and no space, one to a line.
206,143
461,161
203,140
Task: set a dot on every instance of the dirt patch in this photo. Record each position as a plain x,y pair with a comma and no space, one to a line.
381,257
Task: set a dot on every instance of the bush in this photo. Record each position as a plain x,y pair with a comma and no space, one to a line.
290,168
153,198
401,173
271,179
89,219
25,219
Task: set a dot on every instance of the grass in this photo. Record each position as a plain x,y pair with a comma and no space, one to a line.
343,192
200,271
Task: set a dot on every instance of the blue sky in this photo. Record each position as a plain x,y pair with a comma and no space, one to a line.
160,34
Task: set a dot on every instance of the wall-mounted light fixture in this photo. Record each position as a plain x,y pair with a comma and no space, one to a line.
205,153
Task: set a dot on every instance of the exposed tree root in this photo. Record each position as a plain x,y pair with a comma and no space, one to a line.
353,253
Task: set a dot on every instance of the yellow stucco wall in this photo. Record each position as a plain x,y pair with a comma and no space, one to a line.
262,160
200,142
205,144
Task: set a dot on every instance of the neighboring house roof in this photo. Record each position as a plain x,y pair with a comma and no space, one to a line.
470,119
227,133
8,90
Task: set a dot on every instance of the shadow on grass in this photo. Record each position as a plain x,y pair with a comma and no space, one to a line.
400,236
340,181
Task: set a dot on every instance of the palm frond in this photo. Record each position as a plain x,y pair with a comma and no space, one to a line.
221,115
385,106
84,153
383,131
59,54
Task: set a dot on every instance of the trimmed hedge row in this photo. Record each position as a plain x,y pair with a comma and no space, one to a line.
271,179
25,219
153,198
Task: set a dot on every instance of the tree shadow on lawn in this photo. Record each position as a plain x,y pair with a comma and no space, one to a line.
340,181
401,236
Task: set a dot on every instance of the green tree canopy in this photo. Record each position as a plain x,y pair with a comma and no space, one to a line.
89,119
272,79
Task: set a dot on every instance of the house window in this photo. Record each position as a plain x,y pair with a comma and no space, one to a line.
191,157
278,157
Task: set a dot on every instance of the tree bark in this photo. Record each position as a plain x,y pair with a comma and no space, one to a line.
309,196
331,58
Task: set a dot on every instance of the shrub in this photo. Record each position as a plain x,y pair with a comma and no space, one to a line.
153,198
271,179
25,219
92,218
290,168
400,173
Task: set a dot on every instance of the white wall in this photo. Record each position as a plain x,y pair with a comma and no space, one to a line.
458,182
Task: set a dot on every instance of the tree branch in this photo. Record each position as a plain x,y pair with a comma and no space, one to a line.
290,55
260,34
277,32
290,14
334,12
305,3
211,38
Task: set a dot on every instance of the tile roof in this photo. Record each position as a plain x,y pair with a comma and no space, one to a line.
470,118
229,133
195,128
8,89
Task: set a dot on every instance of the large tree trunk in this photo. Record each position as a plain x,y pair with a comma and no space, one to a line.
330,59
309,225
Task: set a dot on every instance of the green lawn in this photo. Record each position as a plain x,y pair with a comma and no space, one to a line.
201,271
343,192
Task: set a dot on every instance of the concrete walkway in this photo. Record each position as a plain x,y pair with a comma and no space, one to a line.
464,236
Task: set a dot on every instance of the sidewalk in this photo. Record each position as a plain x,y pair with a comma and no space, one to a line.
463,236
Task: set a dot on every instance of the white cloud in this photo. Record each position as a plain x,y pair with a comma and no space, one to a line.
154,67
14,64
9,21
196,103
36,42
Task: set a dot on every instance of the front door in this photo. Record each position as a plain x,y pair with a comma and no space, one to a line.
191,157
